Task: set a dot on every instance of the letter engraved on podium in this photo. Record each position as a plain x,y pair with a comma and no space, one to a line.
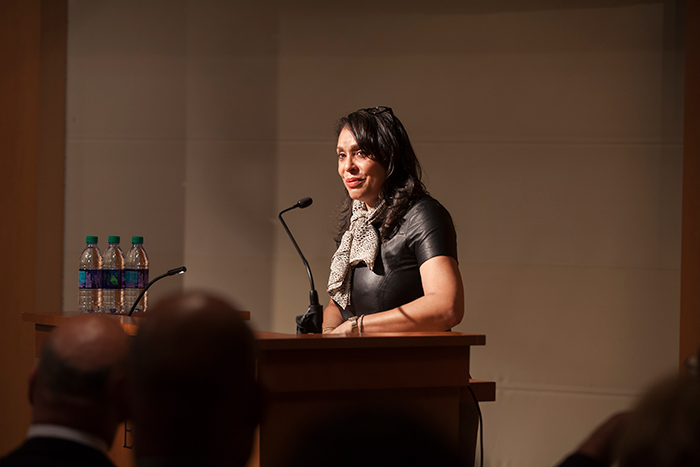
128,435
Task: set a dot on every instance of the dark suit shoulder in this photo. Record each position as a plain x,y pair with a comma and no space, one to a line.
45,452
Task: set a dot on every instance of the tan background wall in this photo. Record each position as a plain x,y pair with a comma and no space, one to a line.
552,134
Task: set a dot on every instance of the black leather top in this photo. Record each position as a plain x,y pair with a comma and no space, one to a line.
425,232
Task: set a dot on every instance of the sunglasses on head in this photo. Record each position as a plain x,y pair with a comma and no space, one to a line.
379,110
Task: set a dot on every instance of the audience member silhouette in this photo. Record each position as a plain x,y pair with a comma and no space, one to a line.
78,395
195,398
663,430
599,448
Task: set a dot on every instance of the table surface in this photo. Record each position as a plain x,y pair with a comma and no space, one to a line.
275,340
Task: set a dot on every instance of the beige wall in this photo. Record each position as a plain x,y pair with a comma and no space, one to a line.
553,136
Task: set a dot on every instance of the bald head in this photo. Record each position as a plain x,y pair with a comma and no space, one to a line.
89,342
194,366
80,379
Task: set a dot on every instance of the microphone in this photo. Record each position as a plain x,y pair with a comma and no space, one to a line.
172,272
304,203
312,321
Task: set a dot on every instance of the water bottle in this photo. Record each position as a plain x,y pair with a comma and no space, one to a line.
112,277
90,277
135,276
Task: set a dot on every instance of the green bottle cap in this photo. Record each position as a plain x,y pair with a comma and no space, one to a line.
91,239
113,239
136,239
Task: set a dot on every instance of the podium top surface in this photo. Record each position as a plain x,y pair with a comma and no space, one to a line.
129,323
279,341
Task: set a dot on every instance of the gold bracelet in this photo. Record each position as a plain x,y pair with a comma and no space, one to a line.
328,329
353,322
360,322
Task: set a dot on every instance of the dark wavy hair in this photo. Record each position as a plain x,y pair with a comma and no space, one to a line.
382,136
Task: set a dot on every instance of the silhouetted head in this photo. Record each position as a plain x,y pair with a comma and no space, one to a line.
80,381
195,395
664,429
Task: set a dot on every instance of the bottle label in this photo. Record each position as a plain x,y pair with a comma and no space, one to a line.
112,279
135,278
90,279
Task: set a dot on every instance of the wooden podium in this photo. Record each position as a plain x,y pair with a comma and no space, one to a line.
308,377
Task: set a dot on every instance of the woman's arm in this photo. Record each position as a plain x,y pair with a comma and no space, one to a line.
441,308
332,316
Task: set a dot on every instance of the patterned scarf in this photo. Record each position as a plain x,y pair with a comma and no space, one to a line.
359,243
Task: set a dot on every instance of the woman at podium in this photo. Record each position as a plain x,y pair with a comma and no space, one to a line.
395,268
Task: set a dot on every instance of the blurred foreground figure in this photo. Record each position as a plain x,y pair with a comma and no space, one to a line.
662,431
194,394
373,438
78,395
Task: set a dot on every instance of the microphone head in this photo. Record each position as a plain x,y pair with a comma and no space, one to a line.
304,202
179,270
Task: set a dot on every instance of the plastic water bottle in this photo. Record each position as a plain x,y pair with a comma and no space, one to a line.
135,276
113,277
90,277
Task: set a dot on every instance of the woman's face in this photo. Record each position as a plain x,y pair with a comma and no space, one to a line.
362,176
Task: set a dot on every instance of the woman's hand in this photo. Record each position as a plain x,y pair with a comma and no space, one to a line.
343,329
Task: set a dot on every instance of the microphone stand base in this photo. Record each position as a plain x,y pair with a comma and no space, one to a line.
311,322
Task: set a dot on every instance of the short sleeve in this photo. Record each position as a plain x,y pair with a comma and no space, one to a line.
430,231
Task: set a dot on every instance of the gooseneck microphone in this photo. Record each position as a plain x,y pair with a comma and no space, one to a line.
301,204
312,321
172,272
